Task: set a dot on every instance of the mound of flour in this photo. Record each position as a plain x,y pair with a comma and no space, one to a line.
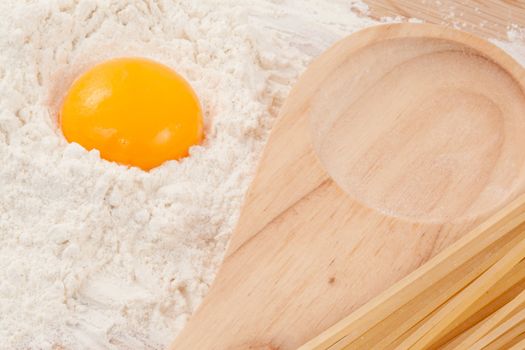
94,255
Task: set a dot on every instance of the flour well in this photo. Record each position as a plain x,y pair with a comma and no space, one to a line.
94,255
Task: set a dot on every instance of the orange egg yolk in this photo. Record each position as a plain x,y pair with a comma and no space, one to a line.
134,111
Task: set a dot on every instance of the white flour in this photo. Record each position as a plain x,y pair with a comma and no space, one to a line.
94,255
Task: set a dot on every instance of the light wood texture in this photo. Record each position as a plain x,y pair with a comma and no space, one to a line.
393,144
486,18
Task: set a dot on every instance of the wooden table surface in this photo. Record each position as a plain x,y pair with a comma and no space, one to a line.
487,18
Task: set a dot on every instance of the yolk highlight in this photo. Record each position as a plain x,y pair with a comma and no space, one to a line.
134,111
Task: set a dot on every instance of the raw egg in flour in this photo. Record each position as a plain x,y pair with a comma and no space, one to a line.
134,111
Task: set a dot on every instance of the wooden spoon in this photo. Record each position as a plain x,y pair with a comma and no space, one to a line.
392,145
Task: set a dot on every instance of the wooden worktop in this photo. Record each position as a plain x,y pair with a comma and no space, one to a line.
487,18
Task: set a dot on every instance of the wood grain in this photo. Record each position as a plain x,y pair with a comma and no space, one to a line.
312,243
486,18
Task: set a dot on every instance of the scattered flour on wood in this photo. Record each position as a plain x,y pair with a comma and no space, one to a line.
94,255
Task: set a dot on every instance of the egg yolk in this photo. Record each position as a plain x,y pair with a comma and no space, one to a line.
134,111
